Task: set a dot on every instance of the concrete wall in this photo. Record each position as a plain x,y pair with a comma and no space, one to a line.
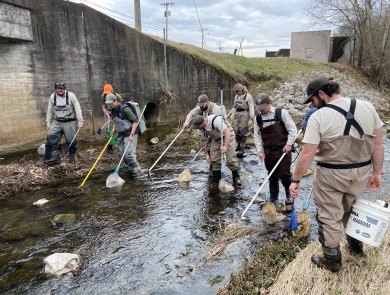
318,41
86,49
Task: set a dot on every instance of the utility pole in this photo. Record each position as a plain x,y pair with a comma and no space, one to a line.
165,62
167,13
219,43
203,39
137,15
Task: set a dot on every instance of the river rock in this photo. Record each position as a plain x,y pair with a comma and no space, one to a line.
64,218
154,140
40,202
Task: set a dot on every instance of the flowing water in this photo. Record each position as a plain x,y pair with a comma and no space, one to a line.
147,237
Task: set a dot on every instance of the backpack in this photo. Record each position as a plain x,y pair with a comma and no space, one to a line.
277,119
122,115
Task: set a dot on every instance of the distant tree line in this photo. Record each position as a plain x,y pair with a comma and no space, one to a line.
366,20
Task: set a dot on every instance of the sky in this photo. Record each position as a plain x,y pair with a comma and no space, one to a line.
259,24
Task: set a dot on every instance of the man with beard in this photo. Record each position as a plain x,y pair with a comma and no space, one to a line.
205,108
344,136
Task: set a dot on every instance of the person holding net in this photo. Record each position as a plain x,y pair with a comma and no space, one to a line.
344,137
204,107
126,124
210,127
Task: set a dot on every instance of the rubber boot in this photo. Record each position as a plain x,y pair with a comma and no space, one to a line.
236,178
354,247
216,176
54,159
288,202
331,259
274,192
72,158
210,170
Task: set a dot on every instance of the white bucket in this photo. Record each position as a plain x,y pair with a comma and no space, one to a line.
368,222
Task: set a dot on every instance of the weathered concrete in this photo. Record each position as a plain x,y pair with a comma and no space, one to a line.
15,23
86,49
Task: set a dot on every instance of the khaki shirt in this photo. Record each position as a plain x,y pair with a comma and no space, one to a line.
61,101
329,124
198,111
288,122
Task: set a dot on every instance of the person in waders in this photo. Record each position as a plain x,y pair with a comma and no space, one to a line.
126,124
204,107
344,136
64,117
242,117
107,89
210,127
274,134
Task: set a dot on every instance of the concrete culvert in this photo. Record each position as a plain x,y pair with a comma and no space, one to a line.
151,112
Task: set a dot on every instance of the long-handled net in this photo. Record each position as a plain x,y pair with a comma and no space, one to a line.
268,211
185,175
303,220
113,180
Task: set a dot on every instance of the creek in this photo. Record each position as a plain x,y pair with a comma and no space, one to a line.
147,237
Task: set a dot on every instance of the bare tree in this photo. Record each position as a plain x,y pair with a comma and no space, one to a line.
369,22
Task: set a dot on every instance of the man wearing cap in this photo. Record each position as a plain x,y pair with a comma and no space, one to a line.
210,127
126,124
64,117
107,89
242,116
204,107
274,135
345,138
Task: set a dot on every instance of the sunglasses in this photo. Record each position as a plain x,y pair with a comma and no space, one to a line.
60,84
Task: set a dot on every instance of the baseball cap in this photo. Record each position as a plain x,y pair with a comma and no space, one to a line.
261,101
202,99
316,85
307,116
110,98
107,89
198,119
237,87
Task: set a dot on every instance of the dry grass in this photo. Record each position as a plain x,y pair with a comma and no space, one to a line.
358,276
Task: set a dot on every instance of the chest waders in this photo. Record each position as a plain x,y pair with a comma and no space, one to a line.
241,118
274,138
63,117
344,152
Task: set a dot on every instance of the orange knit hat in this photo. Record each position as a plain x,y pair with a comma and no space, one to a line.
107,89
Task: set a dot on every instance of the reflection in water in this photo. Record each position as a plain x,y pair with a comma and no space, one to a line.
146,237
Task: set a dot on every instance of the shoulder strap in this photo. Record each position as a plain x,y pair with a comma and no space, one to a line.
349,117
212,122
55,98
259,120
67,98
278,118
131,106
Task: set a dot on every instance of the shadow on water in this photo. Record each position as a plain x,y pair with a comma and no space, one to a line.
146,237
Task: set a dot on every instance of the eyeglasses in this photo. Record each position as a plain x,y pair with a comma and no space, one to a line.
60,84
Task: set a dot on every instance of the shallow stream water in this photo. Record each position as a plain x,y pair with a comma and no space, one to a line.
147,237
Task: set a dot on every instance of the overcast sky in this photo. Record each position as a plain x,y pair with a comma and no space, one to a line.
262,24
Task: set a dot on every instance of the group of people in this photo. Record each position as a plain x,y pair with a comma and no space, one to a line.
64,118
343,135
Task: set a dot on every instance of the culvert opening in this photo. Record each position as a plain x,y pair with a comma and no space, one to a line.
151,112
